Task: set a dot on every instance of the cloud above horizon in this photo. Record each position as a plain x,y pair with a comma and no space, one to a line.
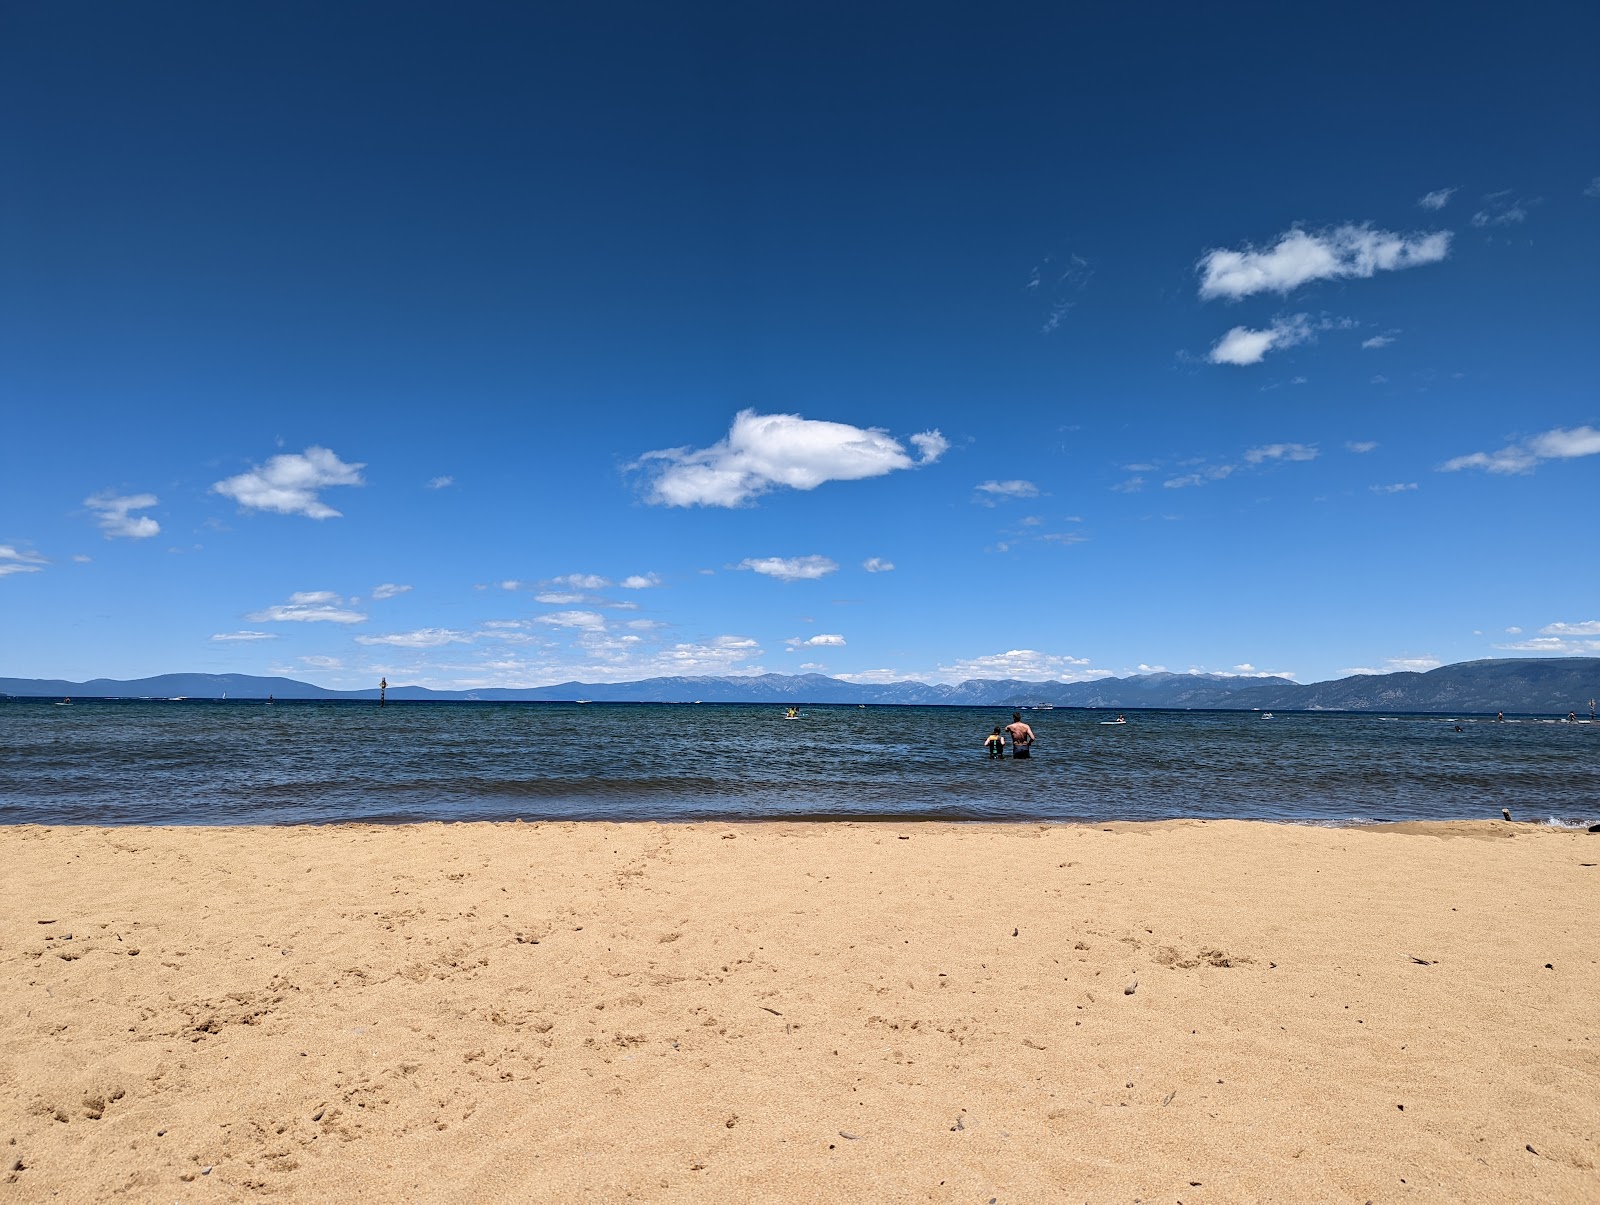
1300,257
790,568
288,484
1437,199
13,560
309,606
1527,454
763,452
225,636
996,491
112,513
876,564
422,638
388,590
1027,665
821,640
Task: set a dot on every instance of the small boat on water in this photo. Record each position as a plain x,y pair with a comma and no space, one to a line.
67,702
1266,715
792,714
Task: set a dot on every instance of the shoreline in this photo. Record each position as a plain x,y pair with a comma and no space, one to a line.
794,1010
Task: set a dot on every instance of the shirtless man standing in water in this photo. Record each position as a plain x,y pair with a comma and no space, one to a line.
1021,736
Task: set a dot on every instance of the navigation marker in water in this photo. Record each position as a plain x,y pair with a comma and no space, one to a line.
383,689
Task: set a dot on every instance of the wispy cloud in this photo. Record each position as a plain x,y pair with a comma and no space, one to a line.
1396,665
309,606
1376,342
991,492
1026,664
1526,455
1205,476
14,560
440,483
1399,487
288,484
1056,282
790,568
587,620
1300,257
876,564
1243,346
762,452
1590,627
388,590
559,598
1502,209
225,636
322,661
422,638
1361,446
112,513
1280,452
581,581
1437,199
1131,486
640,581
1570,639
1592,189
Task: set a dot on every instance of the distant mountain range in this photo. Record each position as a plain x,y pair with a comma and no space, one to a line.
1545,685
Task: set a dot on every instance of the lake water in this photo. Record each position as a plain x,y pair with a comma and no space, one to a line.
202,762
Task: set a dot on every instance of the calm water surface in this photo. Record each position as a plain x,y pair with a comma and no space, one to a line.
200,762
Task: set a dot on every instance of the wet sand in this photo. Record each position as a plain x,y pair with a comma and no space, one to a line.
1194,1012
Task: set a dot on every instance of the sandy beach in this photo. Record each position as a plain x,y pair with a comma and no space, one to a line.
1194,1012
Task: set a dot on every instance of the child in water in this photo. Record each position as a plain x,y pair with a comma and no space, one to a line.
996,744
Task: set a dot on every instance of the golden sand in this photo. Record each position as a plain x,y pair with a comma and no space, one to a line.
1195,1012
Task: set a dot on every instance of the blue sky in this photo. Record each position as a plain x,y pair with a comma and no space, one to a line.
485,347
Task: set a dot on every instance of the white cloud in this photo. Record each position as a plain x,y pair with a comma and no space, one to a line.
1513,631
309,606
1437,199
1524,456
1026,664
1592,189
1244,670
765,451
112,513
80,559
1399,487
1131,486
639,581
876,564
1151,669
1362,445
582,581
586,620
511,583
1553,644
322,662
995,490
388,590
13,560
878,677
819,641
422,638
1379,379
288,484
245,636
1243,346
1298,257
930,445
439,483
1376,342
558,598
790,568
1587,628
1281,452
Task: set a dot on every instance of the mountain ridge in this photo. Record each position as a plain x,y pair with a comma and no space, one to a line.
1545,685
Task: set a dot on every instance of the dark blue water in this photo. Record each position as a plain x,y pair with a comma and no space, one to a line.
198,762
